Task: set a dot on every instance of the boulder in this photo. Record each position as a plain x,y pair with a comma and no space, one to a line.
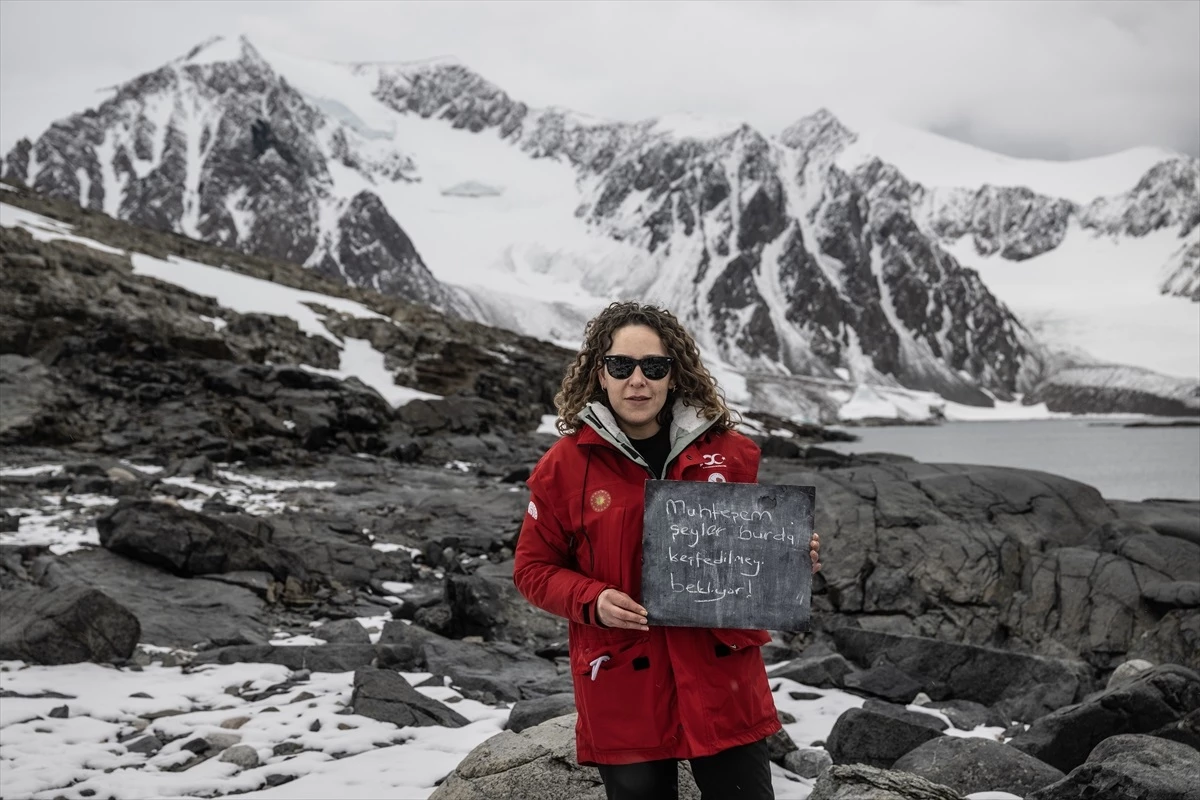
172,611
1130,766
189,543
883,681
386,696
861,782
824,672
73,624
536,764
970,764
344,631
1154,698
536,710
877,738
1021,686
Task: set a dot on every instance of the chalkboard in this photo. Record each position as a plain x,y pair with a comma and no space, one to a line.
727,555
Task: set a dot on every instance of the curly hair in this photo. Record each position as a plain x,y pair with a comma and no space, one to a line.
693,382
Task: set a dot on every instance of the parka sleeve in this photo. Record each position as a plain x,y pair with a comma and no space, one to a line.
542,570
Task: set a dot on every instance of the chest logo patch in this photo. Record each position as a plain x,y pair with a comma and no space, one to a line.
713,460
716,477
532,509
600,500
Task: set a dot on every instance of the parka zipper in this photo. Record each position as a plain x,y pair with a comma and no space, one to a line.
590,418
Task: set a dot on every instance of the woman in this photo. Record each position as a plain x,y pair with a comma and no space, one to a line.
637,404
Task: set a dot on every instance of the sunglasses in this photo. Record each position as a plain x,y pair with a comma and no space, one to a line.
655,368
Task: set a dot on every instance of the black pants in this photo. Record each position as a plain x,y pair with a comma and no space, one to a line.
739,773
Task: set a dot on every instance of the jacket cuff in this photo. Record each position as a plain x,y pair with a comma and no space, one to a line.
587,609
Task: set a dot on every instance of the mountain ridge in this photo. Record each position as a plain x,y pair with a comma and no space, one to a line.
755,220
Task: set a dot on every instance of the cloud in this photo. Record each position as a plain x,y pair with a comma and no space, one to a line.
1050,80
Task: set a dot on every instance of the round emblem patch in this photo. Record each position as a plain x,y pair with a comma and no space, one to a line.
716,477
600,500
532,510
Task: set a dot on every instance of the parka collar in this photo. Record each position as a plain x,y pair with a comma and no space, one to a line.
686,427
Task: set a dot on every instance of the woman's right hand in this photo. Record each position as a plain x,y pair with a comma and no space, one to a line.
615,609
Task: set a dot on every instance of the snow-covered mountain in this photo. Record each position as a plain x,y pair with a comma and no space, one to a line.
809,263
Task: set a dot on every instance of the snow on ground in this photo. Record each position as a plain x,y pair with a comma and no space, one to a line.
1099,295
347,756
45,229
65,523
246,294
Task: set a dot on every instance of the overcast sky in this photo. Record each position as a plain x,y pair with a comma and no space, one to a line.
1053,79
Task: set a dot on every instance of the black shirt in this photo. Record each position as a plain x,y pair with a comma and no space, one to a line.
654,451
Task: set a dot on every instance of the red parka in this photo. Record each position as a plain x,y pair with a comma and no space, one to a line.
671,692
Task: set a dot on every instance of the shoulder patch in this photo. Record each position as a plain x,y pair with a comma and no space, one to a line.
532,509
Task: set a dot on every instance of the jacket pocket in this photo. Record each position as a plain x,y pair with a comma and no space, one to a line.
741,639
620,695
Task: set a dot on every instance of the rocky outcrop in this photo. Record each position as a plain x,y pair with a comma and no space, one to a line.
1021,687
74,624
984,553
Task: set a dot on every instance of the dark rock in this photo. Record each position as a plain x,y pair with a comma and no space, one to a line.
172,611
344,631
969,765
1130,766
883,681
1174,594
824,672
779,745
146,744
1185,730
188,543
73,624
536,710
385,695
863,736
59,712
1020,686
905,714
1153,699
498,670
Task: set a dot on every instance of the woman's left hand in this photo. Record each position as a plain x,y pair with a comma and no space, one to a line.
814,552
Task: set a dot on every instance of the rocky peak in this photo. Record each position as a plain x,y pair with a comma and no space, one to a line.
1166,196
450,91
819,131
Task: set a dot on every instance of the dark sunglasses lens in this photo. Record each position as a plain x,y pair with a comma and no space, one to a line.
656,367
620,367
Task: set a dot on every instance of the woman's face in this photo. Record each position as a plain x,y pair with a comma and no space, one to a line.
636,399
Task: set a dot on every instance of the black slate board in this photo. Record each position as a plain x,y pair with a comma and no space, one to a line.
727,555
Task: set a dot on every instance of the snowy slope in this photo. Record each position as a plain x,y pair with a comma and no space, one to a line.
1099,296
936,161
